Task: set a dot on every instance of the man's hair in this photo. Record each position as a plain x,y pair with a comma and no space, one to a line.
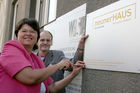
49,33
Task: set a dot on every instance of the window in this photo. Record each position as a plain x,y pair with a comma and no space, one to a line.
42,11
52,10
45,11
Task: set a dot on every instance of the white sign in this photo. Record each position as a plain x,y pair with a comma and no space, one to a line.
67,30
114,37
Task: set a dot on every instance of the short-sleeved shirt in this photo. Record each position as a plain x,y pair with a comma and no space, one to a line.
13,59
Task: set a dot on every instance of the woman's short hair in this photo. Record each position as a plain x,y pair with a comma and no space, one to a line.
31,22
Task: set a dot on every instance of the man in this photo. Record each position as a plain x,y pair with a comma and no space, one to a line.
51,57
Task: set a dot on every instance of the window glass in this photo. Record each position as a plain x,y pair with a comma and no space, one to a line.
52,10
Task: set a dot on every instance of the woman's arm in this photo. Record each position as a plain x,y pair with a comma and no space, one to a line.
34,76
59,85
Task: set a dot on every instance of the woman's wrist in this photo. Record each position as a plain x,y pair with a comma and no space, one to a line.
72,75
58,66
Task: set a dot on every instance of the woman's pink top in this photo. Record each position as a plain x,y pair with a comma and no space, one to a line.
13,59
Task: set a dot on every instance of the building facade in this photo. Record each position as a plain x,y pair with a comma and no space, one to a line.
93,81
14,10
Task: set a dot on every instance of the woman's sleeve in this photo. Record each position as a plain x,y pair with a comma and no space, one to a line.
13,60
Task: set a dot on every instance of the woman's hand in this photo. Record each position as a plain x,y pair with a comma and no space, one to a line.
64,64
77,67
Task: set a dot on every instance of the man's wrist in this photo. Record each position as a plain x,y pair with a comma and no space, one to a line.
80,50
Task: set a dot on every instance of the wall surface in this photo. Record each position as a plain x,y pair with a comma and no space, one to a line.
23,9
101,81
93,5
4,21
65,6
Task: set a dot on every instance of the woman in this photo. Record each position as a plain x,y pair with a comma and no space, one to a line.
23,72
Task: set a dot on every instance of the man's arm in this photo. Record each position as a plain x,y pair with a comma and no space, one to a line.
80,50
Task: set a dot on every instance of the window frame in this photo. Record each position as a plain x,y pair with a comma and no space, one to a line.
14,20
